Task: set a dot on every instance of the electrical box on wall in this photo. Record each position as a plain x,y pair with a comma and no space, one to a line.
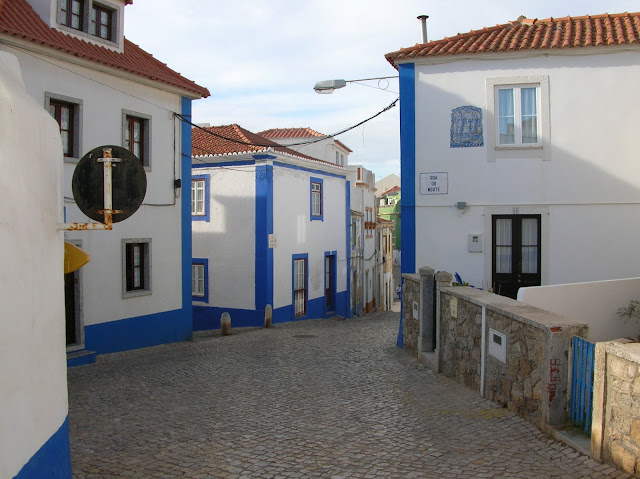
475,243
498,345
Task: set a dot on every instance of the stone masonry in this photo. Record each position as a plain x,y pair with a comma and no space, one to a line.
410,325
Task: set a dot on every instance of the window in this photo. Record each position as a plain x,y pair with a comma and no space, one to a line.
300,285
200,198
101,22
200,279
517,116
316,199
136,261
72,13
67,112
136,135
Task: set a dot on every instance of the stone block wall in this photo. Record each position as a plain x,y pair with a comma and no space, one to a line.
533,379
410,325
615,435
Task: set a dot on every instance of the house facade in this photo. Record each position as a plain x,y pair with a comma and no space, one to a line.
311,143
271,227
389,209
519,163
104,90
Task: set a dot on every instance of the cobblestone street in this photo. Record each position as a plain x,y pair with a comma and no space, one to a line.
320,398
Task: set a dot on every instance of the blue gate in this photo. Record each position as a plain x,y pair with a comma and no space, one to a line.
582,383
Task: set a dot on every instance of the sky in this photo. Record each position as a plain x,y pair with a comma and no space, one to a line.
261,58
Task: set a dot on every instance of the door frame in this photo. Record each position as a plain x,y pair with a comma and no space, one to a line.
487,248
333,277
79,305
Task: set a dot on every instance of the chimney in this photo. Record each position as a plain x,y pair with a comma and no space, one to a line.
423,26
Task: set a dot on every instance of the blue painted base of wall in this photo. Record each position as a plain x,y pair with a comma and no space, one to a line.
208,317
139,332
53,460
80,358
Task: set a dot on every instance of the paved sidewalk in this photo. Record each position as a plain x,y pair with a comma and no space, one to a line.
322,398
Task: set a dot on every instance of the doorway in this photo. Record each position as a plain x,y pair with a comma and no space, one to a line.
516,253
74,327
330,283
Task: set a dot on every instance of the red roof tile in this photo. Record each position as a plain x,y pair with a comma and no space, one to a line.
18,19
305,132
204,143
526,35
395,189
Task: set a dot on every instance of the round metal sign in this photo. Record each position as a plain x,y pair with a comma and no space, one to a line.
129,183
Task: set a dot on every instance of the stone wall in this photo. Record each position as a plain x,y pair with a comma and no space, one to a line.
532,377
615,434
410,325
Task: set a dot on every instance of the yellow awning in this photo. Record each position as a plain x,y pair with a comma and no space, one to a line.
74,258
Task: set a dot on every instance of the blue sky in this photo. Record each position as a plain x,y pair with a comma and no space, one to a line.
261,58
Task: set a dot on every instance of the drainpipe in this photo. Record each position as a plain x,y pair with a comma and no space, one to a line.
423,27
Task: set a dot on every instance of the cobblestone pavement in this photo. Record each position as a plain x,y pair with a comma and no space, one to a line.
320,398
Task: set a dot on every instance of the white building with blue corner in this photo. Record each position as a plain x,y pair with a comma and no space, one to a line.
104,90
271,226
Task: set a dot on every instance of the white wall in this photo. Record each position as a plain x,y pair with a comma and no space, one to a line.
228,239
585,183
33,387
594,303
159,218
324,150
296,234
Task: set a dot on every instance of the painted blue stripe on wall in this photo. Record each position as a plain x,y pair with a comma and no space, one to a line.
224,163
407,172
53,459
310,170
264,227
183,330
206,318
141,331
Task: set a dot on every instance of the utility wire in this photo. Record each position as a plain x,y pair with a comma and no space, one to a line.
272,145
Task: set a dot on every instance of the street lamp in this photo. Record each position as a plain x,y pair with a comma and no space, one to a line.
327,87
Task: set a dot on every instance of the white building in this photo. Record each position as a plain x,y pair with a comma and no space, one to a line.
271,226
311,143
34,425
519,152
104,90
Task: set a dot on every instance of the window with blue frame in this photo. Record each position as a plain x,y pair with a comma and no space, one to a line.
200,279
200,198
316,187
300,281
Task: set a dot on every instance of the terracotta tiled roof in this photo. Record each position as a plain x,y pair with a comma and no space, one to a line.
18,19
204,143
395,189
527,35
275,133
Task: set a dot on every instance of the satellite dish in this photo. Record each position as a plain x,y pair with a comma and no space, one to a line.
129,183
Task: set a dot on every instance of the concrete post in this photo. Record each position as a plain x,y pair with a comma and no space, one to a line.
225,324
442,278
426,339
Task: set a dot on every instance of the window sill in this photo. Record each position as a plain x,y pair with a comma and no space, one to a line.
136,293
199,299
518,147
72,160
317,218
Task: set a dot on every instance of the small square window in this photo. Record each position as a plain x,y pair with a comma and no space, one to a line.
200,198
136,262
517,116
101,22
72,14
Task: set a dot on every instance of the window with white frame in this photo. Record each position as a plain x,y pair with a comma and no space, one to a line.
316,199
197,198
519,107
300,286
136,267
197,279
518,121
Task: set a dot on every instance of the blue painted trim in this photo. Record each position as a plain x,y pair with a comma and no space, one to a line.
407,172
294,257
53,459
205,262
313,217
183,329
332,255
141,331
207,196
310,170
88,358
225,163
207,318
264,227
264,157
348,312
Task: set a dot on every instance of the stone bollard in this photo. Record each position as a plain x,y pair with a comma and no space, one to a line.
268,315
225,324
